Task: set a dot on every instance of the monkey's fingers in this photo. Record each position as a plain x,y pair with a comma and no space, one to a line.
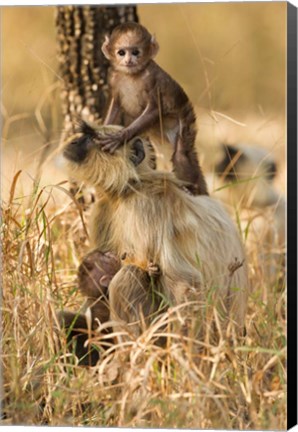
111,141
112,262
112,145
109,264
112,256
153,270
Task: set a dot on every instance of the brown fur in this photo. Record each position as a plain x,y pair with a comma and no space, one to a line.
146,215
94,275
152,100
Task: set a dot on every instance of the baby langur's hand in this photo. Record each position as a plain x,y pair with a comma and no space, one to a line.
111,141
96,272
110,264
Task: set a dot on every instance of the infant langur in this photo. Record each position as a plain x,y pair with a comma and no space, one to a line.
94,275
152,101
146,215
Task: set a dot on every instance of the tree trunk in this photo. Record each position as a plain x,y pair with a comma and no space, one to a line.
83,67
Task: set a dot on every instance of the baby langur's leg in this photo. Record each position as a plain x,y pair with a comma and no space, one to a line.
135,298
94,275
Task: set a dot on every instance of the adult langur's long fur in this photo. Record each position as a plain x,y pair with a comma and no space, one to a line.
147,215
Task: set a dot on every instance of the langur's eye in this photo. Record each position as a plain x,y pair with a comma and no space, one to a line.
135,52
121,53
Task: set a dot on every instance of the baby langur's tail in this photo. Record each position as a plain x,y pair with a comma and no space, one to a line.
185,159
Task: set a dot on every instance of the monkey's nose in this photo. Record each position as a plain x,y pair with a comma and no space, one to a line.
128,61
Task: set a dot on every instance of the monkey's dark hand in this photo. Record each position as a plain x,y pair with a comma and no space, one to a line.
153,270
111,141
110,265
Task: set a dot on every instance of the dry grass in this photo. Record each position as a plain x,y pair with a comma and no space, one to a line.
214,383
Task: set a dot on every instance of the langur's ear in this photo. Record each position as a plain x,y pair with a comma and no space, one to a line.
154,47
105,47
138,151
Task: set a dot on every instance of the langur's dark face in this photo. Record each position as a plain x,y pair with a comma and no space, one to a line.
77,150
245,162
228,167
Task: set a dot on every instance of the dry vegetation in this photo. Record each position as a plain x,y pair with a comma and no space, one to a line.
213,383
217,383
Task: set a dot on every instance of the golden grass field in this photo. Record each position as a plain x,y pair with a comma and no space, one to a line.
217,383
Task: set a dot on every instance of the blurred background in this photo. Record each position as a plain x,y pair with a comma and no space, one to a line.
229,57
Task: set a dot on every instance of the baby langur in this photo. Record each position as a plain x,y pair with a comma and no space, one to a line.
94,275
152,101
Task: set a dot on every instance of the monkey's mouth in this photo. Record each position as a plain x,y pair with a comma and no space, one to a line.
130,67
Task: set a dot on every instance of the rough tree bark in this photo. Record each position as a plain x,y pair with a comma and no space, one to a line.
80,33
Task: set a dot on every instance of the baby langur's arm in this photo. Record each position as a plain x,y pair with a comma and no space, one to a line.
149,117
113,111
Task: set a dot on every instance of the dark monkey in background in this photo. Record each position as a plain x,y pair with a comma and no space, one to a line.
152,101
